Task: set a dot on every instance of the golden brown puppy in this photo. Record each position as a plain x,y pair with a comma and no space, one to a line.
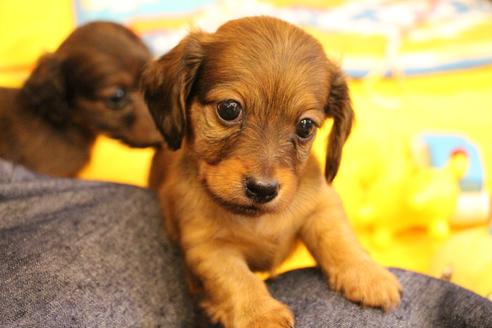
89,86
238,186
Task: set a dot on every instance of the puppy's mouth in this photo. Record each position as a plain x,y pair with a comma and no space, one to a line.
235,208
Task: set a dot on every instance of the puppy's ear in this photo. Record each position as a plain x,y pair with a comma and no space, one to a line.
45,90
166,84
339,107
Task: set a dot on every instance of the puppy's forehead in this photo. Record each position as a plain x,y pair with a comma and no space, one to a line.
102,54
269,60
108,42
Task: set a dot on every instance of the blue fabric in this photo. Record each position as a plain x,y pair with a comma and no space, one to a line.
426,303
88,254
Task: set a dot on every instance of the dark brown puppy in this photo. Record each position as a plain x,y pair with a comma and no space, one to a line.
240,107
87,87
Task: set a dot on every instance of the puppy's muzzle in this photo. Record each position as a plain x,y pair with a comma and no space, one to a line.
261,191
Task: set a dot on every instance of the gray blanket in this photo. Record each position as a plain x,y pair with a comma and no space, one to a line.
87,254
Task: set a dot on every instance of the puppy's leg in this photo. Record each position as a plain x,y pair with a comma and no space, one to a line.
330,239
235,296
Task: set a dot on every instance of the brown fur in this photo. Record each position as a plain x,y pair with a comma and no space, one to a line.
279,74
50,124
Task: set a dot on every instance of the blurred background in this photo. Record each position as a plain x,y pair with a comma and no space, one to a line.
417,170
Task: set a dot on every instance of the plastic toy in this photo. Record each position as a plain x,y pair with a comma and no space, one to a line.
398,189
467,260
440,146
423,197
473,201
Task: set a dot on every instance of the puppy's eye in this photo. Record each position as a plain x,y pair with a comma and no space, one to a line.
229,110
305,129
118,99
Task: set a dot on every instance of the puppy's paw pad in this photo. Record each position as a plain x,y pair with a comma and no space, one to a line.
368,284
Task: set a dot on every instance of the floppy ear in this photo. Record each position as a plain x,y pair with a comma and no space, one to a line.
340,108
45,90
166,84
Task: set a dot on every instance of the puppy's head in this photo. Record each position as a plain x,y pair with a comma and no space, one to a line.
92,81
246,102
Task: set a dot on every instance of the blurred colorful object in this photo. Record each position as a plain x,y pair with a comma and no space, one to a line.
370,37
397,189
439,147
467,259
474,200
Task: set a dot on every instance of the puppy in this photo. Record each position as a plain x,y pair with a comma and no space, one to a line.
238,187
87,87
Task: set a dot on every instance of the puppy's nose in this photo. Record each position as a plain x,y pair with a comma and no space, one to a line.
261,191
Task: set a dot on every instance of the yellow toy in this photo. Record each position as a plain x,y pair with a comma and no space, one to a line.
467,260
395,191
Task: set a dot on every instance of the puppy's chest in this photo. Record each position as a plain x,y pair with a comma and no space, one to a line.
268,242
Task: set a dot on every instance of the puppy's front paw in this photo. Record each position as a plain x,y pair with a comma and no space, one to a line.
367,283
254,313
268,314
